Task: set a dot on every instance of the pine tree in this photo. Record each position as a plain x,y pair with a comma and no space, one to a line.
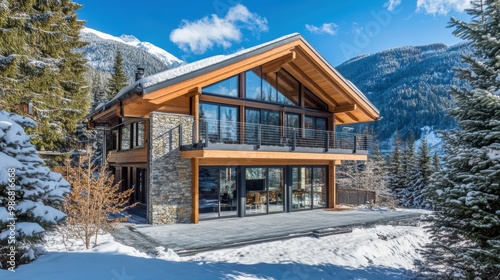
466,192
395,169
408,166
36,195
436,165
41,69
83,136
118,79
420,176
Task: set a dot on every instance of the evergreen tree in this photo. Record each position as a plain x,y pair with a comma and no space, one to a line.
408,166
420,176
40,68
118,79
466,192
394,169
92,138
36,193
436,165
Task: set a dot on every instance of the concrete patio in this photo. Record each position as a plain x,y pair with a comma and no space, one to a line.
187,239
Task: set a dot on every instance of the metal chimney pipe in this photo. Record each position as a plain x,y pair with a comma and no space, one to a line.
139,73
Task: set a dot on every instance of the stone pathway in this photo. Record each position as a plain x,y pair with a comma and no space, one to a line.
187,239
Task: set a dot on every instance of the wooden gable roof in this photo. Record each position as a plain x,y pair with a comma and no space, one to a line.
290,52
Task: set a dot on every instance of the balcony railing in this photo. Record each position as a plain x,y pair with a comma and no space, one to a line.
220,134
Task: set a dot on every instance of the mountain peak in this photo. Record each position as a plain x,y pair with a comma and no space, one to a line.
129,38
165,57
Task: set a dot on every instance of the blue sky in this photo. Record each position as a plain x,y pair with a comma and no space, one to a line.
339,30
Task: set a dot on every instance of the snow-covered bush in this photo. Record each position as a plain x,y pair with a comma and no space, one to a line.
30,194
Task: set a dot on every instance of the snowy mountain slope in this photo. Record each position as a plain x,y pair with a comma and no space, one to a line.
102,49
409,85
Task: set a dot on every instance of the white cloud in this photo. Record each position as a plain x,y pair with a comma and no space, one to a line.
203,34
328,28
392,4
442,7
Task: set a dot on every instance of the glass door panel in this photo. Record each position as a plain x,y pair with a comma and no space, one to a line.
209,193
228,192
270,121
256,191
275,179
252,121
319,187
229,124
209,113
301,188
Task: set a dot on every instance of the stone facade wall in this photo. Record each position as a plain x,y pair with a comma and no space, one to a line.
170,176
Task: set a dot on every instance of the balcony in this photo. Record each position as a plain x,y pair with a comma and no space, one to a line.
229,135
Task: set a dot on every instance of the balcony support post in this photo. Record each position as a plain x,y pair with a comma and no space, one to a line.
259,136
205,124
327,141
294,142
355,144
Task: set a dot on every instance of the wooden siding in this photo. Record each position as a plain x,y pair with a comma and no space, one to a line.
137,155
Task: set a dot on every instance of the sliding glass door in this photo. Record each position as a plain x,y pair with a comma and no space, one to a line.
217,192
309,187
264,190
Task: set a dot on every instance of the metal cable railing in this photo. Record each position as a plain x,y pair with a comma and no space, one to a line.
259,135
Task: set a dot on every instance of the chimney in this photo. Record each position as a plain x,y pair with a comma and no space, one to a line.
139,73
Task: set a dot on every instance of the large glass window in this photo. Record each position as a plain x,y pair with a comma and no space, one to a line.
220,121
311,101
125,137
314,126
278,87
267,122
253,84
138,134
217,192
288,89
227,87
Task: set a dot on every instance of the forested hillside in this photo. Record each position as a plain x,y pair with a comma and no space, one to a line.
409,85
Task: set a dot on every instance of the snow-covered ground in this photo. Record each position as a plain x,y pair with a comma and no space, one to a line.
382,252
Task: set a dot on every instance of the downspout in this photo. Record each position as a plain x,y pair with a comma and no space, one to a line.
149,206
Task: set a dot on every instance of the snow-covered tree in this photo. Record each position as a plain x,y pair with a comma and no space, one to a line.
419,176
395,169
466,192
41,72
30,200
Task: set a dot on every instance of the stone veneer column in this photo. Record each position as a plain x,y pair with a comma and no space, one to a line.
170,176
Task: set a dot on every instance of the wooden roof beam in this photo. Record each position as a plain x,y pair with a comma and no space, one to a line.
345,108
350,115
275,65
316,67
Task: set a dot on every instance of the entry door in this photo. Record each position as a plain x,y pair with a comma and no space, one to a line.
140,186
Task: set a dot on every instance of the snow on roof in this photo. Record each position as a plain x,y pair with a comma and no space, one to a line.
182,70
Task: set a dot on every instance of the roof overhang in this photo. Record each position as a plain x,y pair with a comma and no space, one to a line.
292,53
